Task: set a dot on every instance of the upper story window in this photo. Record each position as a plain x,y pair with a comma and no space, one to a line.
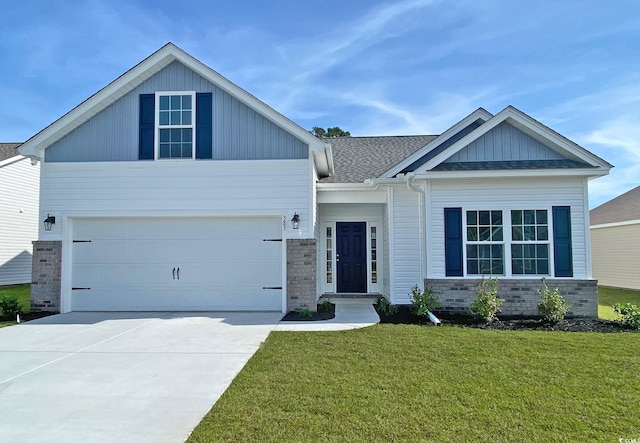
175,124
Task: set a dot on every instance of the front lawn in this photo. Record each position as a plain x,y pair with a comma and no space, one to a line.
610,296
22,292
427,383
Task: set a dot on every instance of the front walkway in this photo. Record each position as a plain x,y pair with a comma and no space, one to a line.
351,313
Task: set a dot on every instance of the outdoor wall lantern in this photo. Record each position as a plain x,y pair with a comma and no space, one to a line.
48,222
295,221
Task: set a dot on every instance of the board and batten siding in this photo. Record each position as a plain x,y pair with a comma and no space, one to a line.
19,194
507,194
615,255
504,142
239,132
176,188
405,248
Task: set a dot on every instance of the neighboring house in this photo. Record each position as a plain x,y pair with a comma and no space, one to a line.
615,241
19,193
174,189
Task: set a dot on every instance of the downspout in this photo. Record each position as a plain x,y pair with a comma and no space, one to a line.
421,229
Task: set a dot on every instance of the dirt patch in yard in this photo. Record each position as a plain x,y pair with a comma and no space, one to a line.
404,315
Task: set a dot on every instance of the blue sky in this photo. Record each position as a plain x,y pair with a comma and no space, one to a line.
370,67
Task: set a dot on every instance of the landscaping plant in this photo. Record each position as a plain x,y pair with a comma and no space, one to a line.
423,301
325,306
487,303
10,306
630,314
383,305
305,313
553,306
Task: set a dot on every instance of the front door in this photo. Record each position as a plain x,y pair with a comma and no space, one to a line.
351,256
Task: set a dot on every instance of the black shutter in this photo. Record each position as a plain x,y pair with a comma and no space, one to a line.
453,241
204,125
562,254
147,127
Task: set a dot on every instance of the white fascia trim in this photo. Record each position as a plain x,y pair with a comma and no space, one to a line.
478,114
522,121
138,74
513,173
616,224
11,160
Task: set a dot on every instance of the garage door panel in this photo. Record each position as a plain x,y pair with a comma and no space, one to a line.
224,264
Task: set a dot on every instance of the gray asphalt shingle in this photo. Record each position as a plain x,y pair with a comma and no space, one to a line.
359,158
8,150
622,208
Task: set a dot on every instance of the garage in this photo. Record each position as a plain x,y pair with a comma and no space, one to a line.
176,264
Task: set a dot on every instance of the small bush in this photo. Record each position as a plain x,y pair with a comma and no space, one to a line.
10,306
553,306
487,303
305,313
423,301
325,306
383,305
630,314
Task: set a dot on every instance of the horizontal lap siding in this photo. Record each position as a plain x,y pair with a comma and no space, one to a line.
147,188
615,256
507,194
386,282
19,219
406,244
239,132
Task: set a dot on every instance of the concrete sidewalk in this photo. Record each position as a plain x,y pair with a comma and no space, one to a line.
351,313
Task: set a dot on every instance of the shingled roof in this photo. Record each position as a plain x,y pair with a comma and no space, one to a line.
358,158
625,207
8,150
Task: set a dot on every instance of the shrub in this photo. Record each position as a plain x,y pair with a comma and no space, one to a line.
10,306
325,306
423,301
630,314
487,303
305,313
383,305
553,306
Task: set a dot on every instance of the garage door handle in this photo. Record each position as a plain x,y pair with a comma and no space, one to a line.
272,287
174,273
178,273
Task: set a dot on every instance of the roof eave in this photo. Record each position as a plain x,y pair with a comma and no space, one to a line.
35,146
478,114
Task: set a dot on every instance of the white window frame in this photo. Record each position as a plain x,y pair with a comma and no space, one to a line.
546,242
507,240
157,126
502,242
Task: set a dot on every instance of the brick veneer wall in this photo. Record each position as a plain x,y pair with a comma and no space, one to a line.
520,295
45,276
301,274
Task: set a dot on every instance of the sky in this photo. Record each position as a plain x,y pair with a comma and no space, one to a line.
371,67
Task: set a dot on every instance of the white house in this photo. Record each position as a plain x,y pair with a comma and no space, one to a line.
19,193
174,189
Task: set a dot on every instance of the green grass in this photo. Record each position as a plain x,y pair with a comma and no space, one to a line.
412,383
23,293
610,296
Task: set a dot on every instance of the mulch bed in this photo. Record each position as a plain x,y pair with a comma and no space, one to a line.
322,314
578,324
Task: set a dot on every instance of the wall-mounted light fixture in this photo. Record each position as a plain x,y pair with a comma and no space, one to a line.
48,222
295,221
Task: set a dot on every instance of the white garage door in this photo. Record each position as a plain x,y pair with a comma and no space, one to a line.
177,264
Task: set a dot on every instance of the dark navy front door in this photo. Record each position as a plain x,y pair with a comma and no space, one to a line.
351,256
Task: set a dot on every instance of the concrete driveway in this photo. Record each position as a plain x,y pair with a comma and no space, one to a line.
125,377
